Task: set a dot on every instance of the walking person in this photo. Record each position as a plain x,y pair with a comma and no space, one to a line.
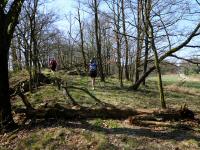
53,65
93,71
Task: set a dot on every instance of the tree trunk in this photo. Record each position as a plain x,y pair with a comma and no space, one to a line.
98,42
15,66
117,28
19,53
108,47
30,67
126,42
5,106
146,16
82,41
35,61
7,25
139,38
160,86
146,57
35,44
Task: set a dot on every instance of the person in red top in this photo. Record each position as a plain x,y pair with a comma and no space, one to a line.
53,64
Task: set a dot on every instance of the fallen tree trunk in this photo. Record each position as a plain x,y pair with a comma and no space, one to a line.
60,112
136,117
160,117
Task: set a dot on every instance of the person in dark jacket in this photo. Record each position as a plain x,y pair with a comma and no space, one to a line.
93,71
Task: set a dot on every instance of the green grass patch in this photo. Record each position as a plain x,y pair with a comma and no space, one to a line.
110,134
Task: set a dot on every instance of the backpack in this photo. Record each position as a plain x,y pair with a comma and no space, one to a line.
93,67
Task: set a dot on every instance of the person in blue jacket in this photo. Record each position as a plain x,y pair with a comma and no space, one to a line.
93,71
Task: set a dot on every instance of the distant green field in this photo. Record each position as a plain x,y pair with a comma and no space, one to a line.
167,78
176,79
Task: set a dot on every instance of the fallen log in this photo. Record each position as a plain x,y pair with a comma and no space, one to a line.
172,114
159,117
60,112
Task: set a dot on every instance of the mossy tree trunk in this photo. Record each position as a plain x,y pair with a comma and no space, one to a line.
117,38
156,61
8,22
35,55
15,66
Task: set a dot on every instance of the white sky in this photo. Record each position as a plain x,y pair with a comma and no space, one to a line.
62,8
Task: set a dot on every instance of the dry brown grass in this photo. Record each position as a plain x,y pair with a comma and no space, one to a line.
183,90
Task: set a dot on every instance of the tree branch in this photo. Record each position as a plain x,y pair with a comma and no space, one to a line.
168,53
198,2
193,46
188,60
12,16
173,50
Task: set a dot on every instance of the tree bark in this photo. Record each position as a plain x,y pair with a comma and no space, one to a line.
156,61
146,16
15,66
82,41
5,106
117,28
98,42
126,42
139,38
7,25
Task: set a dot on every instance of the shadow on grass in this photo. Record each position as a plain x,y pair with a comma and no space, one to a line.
175,134
57,115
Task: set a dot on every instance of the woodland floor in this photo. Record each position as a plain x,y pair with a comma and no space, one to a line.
100,133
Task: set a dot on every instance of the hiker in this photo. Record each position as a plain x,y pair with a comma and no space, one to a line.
93,71
53,64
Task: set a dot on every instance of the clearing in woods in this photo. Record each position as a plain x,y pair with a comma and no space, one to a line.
105,133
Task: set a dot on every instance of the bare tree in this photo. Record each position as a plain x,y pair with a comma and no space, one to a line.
139,40
160,84
98,41
117,38
126,41
164,18
146,9
82,39
167,54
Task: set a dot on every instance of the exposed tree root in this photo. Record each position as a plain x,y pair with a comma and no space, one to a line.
19,90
